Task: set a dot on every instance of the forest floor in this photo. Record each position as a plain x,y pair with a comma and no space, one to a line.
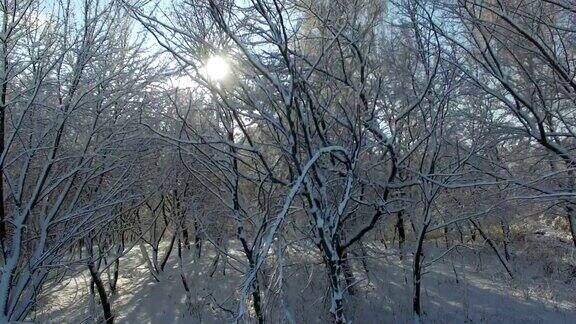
543,289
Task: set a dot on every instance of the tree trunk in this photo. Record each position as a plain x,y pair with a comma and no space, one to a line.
571,211
400,229
183,274
168,252
186,237
337,308
108,317
417,265
494,248
506,237
114,279
348,274
3,107
257,301
417,274
148,261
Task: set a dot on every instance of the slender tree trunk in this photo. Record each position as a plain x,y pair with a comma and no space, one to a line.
570,206
197,240
506,238
3,107
215,264
148,261
114,279
494,248
183,275
400,229
571,211
257,301
417,265
186,236
155,258
417,274
168,252
348,274
108,317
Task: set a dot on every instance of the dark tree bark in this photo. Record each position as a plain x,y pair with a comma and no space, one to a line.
3,106
168,252
400,229
106,307
494,248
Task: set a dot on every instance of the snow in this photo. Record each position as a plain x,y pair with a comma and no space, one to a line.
481,292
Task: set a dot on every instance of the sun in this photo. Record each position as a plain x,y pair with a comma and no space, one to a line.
217,68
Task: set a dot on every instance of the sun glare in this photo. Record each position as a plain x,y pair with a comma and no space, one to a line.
217,69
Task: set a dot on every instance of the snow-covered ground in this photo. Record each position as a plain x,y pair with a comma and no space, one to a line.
454,291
